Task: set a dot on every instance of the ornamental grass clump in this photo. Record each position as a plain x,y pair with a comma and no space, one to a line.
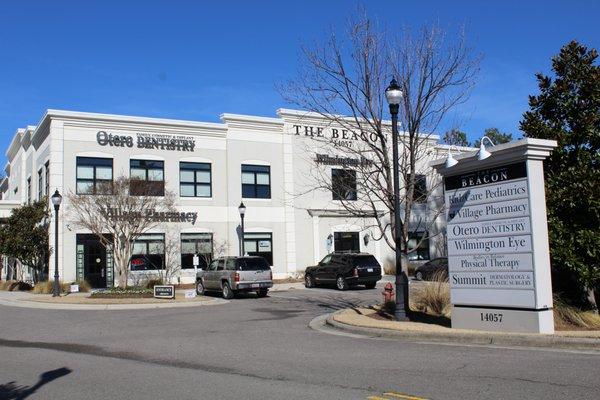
434,297
47,287
566,316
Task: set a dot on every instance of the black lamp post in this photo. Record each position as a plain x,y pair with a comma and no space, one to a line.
242,210
393,95
56,200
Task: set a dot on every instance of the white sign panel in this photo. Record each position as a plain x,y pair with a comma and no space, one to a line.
489,237
491,262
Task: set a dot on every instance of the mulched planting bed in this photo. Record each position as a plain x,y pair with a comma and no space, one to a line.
123,294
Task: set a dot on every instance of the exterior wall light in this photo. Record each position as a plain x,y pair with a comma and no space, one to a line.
451,161
483,153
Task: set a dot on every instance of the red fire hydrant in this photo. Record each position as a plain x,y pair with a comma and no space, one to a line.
388,293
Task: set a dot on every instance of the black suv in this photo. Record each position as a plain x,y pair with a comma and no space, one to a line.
344,270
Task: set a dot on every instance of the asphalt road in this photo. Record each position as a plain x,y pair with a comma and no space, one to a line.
256,348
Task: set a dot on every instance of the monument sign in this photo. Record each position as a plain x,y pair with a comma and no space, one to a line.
498,259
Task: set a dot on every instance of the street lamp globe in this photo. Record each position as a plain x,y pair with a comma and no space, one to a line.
393,94
242,209
56,199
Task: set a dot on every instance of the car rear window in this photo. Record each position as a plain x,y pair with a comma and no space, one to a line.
253,264
365,261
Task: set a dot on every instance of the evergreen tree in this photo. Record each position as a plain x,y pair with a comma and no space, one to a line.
495,135
24,236
567,110
456,138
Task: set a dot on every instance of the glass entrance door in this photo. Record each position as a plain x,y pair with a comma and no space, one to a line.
94,260
346,242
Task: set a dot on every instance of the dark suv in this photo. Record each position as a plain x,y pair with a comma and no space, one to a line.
344,270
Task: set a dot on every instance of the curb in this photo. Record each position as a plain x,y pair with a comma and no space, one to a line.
104,307
484,338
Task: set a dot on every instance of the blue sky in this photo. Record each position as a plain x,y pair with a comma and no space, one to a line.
195,60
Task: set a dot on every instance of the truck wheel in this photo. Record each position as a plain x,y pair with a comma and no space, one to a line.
199,288
227,292
309,281
371,285
341,283
262,292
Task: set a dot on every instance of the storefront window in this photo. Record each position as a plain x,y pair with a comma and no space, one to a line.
343,184
194,179
148,178
196,243
422,251
346,242
256,181
92,173
148,252
259,244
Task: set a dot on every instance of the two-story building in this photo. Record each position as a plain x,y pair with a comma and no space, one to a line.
211,168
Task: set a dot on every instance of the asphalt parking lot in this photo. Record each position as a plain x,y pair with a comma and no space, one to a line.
255,348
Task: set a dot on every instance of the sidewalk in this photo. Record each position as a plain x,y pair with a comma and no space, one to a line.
80,301
359,323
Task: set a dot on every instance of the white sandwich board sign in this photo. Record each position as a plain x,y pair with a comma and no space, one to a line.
498,256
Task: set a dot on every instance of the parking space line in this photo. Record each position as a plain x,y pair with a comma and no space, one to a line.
403,396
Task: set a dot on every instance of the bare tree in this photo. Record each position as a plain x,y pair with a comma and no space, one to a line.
218,249
343,81
118,218
171,260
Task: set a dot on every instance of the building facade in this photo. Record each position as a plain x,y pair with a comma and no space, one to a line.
266,163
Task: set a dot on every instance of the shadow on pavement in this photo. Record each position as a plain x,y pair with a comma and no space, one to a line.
12,391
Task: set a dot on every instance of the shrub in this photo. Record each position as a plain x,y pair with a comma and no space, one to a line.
14,286
47,287
566,315
150,283
389,267
434,297
20,287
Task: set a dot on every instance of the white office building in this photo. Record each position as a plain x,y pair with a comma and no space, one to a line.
265,163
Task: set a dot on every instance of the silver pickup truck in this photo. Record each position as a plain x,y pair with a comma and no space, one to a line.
231,275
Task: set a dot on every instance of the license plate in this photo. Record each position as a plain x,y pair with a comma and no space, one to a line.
369,269
255,285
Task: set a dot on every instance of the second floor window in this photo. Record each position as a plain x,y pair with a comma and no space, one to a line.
40,184
420,193
256,181
343,184
47,179
29,190
148,178
92,173
194,179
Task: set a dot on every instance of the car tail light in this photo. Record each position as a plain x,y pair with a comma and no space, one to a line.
355,272
236,277
270,275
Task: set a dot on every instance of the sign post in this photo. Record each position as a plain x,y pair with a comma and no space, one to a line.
196,262
498,255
